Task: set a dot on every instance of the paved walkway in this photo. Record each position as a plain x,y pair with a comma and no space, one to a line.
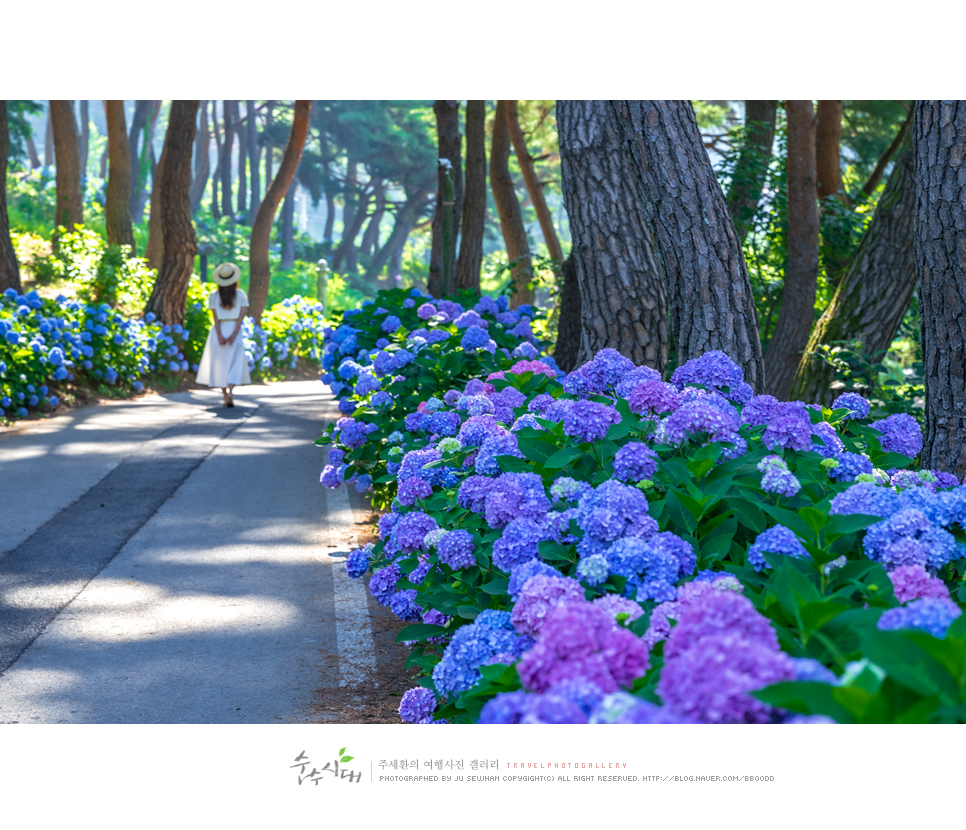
171,561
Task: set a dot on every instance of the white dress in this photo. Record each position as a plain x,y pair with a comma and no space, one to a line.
223,366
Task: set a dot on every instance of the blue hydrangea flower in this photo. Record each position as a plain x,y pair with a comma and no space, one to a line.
357,563
588,421
777,539
455,548
849,466
930,614
900,433
635,462
908,537
470,647
519,574
419,703
857,405
777,478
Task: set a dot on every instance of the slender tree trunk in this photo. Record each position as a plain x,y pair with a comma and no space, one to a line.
348,204
784,349
568,323
395,264
405,219
508,208
202,143
876,175
70,207
254,156
449,144
49,159
828,137
940,147
169,297
242,130
532,181
154,252
227,147
329,215
143,168
269,119
711,303
470,261
262,229
32,152
138,121
370,237
876,288
9,267
216,178
85,137
117,207
752,167
350,251
623,299
288,222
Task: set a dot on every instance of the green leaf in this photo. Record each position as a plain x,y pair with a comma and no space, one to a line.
561,458
839,525
807,699
497,587
788,518
468,612
420,631
906,657
342,751
347,758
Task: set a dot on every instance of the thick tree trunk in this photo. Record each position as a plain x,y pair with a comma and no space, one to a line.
254,161
9,267
228,114
874,293
470,261
508,208
216,178
202,144
85,137
828,137
262,229
623,298
242,131
876,175
168,299
287,220
940,147
449,147
711,303
117,207
405,219
568,323
784,349
752,167
70,206
532,181
154,252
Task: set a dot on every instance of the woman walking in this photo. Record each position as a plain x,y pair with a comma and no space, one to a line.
223,364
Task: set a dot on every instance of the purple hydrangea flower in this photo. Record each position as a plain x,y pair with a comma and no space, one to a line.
930,614
444,423
613,605
519,543
357,562
540,595
790,428
391,323
477,428
589,421
331,476
455,549
473,492
713,370
653,397
409,533
634,378
914,582
850,465
714,613
414,463
580,641
540,403
567,489
777,539
865,498
494,446
520,573
403,605
759,410
382,585
426,311
513,495
352,433
470,318
417,704
900,433
825,441
471,647
413,488
908,537
777,478
857,405
635,462
699,416
520,707
612,511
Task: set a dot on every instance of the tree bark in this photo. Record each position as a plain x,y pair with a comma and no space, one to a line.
70,206
876,175
216,178
138,122
202,145
876,288
254,157
568,323
329,216
508,208
473,220
288,221
242,130
347,245
532,181
269,118
85,137
154,252
449,143
370,237
262,229
142,169
228,114
9,266
117,208
784,350
751,169
169,297
348,210
49,159
622,294
711,303
32,152
828,137
402,225
940,147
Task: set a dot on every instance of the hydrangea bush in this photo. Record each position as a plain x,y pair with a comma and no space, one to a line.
611,547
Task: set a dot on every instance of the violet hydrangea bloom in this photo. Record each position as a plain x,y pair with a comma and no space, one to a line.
914,582
403,605
357,562
759,410
865,498
412,489
789,428
417,704
908,537
494,446
519,543
540,595
582,641
513,495
614,605
653,397
520,707
857,405
634,378
777,478
930,614
409,533
391,323
382,585
777,539
825,441
413,465
699,416
718,612
455,549
900,433
473,491
568,489
611,511
519,574
477,428
426,311
849,466
588,421
471,647
635,462
714,370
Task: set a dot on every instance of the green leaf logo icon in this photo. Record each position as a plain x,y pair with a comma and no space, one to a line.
343,757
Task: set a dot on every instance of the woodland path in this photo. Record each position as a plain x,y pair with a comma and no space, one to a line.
167,560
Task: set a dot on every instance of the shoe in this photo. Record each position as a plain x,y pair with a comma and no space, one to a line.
230,404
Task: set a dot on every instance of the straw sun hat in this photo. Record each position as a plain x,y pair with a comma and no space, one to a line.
227,274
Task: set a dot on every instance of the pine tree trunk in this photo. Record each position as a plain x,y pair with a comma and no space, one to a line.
287,220
348,208
828,137
9,267
32,152
876,175
532,181
142,170
254,161
623,298
473,220
875,291
117,207
449,147
85,137
216,178
138,121
508,208
370,237
202,144
49,159
785,347
940,147
329,216
752,167
711,303
154,252
351,251
405,219
169,297
227,147
70,206
262,228
568,323
242,131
